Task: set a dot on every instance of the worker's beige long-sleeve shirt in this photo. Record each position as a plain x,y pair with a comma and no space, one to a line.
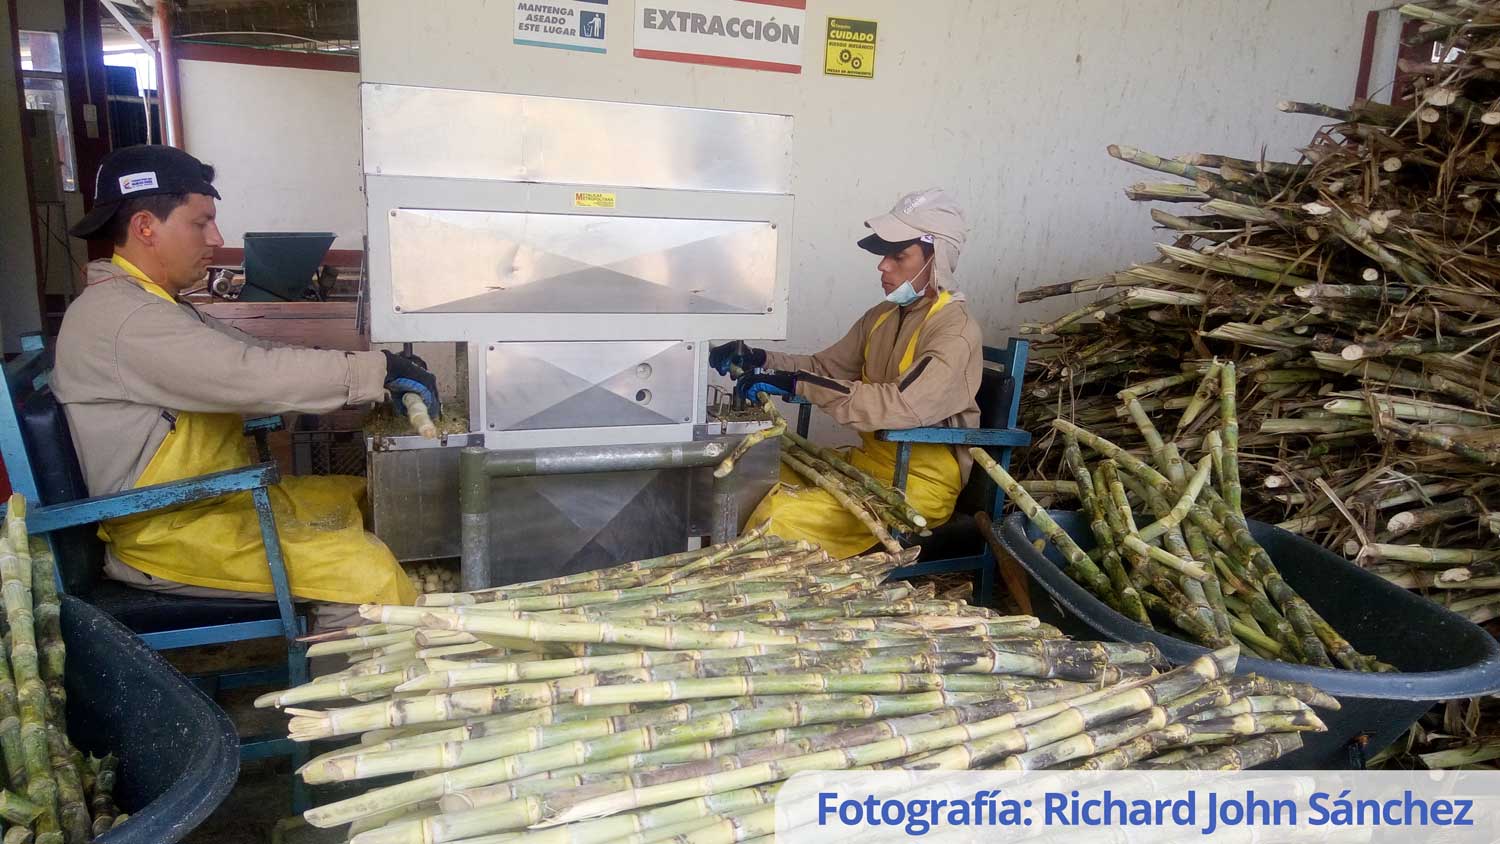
129,360
938,388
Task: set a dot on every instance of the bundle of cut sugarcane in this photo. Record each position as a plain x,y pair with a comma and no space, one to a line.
1195,568
52,793
880,507
433,576
1454,734
1358,290
668,699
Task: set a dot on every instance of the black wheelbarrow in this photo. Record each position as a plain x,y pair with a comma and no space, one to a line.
179,754
1440,656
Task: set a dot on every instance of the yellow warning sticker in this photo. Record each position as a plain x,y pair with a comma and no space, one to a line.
587,199
851,48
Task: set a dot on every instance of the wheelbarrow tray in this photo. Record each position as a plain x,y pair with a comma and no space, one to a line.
178,751
1440,655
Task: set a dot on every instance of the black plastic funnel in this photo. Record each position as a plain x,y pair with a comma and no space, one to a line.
279,266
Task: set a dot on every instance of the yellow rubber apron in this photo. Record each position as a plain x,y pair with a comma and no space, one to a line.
217,543
799,510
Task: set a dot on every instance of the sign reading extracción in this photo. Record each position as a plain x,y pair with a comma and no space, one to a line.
754,34
564,24
851,48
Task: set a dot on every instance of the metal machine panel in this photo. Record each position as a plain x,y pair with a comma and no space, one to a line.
531,386
453,134
414,504
482,262
591,522
728,256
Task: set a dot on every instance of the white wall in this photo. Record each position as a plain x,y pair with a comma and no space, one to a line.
285,143
1008,103
19,311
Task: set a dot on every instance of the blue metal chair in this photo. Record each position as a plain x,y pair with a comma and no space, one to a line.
38,452
958,546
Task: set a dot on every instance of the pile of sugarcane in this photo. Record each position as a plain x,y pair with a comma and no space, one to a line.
880,507
433,576
668,699
50,793
1194,570
1358,290
1456,734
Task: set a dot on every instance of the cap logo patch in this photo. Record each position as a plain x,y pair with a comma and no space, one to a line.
138,182
926,238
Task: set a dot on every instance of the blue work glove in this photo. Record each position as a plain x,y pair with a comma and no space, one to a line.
735,354
408,374
754,386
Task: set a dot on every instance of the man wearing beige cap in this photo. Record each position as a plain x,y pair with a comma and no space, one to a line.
913,360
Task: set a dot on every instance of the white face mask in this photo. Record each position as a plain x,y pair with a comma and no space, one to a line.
906,293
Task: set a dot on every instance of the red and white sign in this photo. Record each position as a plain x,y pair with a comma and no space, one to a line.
753,34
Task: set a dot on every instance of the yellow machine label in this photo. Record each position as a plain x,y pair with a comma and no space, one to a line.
851,48
588,199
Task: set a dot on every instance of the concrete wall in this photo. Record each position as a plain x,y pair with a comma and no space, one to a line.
19,311
285,142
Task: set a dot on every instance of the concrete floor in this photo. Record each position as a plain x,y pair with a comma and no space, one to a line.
262,797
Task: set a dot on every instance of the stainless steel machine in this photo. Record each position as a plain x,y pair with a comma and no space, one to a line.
585,252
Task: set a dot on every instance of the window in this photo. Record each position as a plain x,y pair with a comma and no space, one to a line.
42,77
40,51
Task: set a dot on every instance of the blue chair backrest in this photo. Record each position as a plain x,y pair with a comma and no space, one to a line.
999,396
999,400
37,447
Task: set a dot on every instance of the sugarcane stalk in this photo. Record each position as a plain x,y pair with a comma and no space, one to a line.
746,540
1165,192
810,710
73,811
417,413
41,786
1089,573
1418,555
893,497
1206,597
1245,755
1183,506
854,508
1187,568
17,809
751,440
1124,592
1207,384
102,802
989,735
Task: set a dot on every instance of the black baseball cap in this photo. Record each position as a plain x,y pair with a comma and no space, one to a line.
142,170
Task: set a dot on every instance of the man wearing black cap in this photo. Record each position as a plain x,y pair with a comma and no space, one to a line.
156,392
911,361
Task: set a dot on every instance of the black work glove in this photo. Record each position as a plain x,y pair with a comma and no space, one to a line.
735,354
754,386
408,374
